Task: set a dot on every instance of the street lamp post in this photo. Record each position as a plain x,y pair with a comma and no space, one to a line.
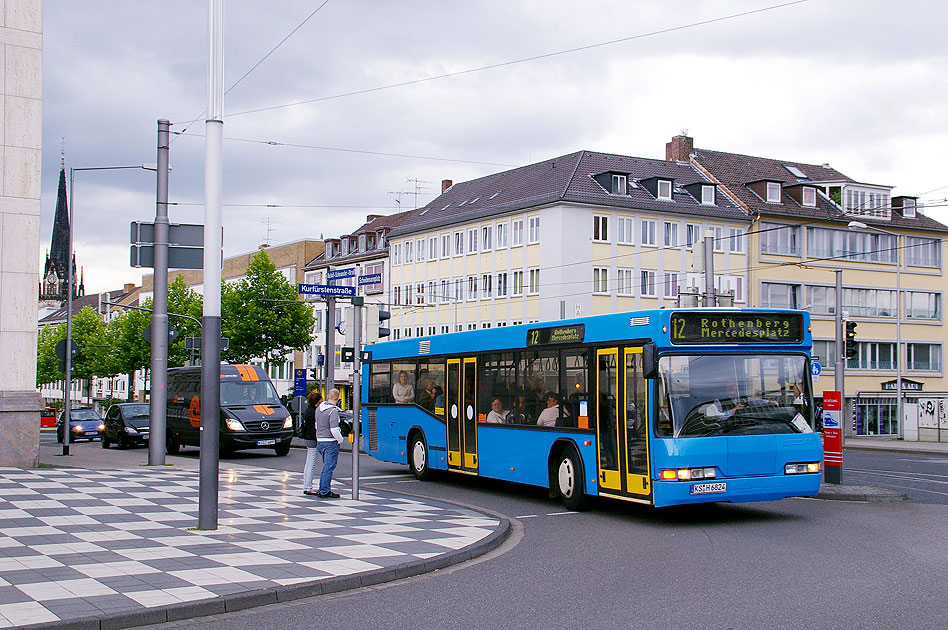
859,225
67,403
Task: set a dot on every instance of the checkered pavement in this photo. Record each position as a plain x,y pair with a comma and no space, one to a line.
79,543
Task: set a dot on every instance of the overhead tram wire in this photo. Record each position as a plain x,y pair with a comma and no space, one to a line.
254,67
524,59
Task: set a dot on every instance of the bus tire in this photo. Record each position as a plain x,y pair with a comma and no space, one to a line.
172,446
282,449
418,456
569,480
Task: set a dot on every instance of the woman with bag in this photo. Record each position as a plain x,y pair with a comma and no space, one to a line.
309,436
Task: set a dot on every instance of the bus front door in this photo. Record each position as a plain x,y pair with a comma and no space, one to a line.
462,415
621,424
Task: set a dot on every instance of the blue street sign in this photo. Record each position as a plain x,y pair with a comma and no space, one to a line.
325,289
337,274
299,382
373,278
815,368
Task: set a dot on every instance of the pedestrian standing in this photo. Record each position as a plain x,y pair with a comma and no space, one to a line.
328,440
308,434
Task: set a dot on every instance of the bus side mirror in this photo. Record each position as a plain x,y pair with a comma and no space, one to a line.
650,360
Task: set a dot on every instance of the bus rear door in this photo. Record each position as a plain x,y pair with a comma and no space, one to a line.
621,424
462,414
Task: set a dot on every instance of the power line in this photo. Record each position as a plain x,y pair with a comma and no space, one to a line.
523,60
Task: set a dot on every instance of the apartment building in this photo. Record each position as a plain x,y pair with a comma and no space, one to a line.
580,234
809,221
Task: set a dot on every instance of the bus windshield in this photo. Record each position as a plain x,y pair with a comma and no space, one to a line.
722,395
248,393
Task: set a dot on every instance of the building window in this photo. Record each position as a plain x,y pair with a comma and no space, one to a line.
501,235
502,284
600,228
876,416
459,289
534,282
707,195
869,302
851,245
420,249
671,284
922,305
487,234
775,295
408,252
922,252
408,296
486,282
735,243
432,247
458,243
397,254
432,291
692,235
431,330
445,245
626,229
420,294
534,230
619,185
624,282
472,241
518,282
472,287
371,269
773,192
445,294
779,239
420,331
600,280
397,296
874,356
517,232
809,196
647,232
671,234
647,283
664,189
924,356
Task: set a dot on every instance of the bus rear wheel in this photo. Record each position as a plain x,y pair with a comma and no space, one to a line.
418,457
569,480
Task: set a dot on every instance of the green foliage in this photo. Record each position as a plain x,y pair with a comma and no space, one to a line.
47,363
183,300
262,313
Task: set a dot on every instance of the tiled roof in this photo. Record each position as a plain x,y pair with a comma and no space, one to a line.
379,223
58,316
566,179
735,171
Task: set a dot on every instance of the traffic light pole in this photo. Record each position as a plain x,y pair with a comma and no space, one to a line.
357,303
330,344
834,474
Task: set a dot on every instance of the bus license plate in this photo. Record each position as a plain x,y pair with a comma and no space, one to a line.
266,442
709,488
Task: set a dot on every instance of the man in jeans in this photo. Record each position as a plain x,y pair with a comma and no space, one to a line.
328,439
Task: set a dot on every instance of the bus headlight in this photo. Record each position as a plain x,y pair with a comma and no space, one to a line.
288,423
798,469
688,474
234,425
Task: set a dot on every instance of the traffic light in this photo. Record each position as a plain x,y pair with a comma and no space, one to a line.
852,348
375,324
313,374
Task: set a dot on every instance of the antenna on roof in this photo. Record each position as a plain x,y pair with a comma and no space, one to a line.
418,187
270,229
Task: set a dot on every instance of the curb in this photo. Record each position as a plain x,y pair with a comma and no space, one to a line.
282,594
862,494
895,449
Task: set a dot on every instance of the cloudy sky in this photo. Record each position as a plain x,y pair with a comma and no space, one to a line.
859,84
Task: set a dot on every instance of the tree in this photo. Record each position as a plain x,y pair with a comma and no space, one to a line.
47,363
262,313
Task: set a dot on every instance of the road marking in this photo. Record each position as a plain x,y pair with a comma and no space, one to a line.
548,514
914,489
905,476
362,478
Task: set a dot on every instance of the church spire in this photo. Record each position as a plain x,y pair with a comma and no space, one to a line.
59,245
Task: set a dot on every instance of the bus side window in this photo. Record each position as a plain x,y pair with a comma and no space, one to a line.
380,386
403,383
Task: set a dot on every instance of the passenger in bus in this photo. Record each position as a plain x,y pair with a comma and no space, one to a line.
518,415
497,414
549,415
403,391
428,396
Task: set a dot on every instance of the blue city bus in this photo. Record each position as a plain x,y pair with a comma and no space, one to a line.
661,407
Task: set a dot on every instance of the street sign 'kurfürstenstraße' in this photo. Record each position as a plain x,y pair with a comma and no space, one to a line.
325,289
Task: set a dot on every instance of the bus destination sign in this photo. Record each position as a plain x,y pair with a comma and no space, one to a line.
574,333
726,328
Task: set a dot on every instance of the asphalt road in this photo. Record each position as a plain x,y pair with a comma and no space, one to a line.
797,563
923,478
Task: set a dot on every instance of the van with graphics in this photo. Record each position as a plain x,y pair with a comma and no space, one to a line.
251,413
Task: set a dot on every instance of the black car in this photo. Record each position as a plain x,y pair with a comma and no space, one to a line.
84,424
126,424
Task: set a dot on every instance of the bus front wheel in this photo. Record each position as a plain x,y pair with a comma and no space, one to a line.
418,457
569,481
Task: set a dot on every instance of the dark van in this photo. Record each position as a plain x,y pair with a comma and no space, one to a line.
251,413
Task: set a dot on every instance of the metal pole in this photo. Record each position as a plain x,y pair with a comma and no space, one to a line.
67,404
709,292
834,474
159,317
330,343
898,337
357,303
211,333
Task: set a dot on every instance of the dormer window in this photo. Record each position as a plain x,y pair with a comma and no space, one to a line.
809,196
619,184
773,192
361,242
908,208
665,189
345,246
707,195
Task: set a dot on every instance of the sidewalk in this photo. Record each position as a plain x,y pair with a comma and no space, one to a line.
114,548
889,444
